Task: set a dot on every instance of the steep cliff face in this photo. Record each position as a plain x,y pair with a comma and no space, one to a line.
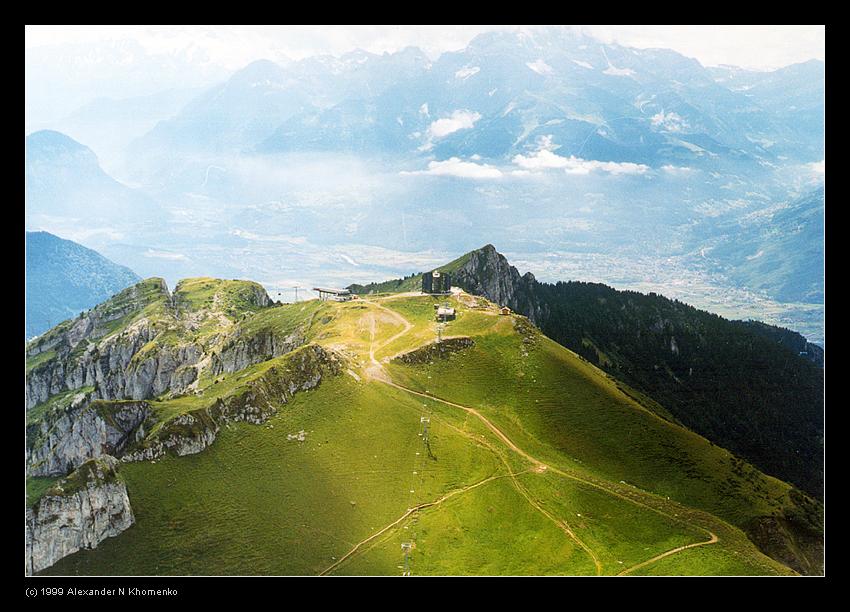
259,399
145,341
97,322
255,402
487,273
118,367
185,434
66,437
79,511
242,351
88,379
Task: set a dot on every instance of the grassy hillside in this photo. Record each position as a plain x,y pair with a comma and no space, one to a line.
537,464
749,387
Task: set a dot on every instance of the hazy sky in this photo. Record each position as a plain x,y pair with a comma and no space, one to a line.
761,47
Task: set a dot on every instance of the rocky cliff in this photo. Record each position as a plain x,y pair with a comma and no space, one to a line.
118,368
435,350
67,436
487,273
145,341
79,511
254,402
88,381
243,350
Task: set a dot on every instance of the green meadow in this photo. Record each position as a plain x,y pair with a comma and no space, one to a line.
387,481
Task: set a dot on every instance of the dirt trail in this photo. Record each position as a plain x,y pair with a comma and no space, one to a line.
542,467
667,554
538,464
377,371
410,511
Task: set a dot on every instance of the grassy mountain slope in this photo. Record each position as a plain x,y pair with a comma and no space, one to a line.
519,471
743,385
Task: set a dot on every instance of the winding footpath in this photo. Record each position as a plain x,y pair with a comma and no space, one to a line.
377,371
410,511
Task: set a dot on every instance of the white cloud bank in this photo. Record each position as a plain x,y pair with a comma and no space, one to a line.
545,159
456,167
240,233
676,170
465,73
458,120
154,254
614,71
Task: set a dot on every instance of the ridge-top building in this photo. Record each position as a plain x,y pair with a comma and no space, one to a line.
436,282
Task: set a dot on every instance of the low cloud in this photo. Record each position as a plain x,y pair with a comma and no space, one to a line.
153,254
465,73
545,159
818,167
456,167
458,120
246,235
676,170
613,71
669,122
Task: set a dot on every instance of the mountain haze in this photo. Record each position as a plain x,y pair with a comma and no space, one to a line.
64,278
64,180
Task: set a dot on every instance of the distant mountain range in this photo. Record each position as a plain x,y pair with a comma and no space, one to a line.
502,93
64,278
632,167
753,388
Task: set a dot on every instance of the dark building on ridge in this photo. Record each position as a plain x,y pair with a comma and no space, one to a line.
436,282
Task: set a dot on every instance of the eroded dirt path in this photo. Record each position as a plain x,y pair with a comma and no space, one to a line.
410,511
377,372
667,554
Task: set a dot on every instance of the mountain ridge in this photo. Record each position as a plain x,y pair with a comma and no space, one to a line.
688,360
217,358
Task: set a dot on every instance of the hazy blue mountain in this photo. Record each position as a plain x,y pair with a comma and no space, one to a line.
234,114
780,251
597,101
113,68
64,278
64,180
336,161
794,94
108,125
